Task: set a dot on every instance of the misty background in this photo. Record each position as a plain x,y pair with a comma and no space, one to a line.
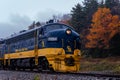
17,15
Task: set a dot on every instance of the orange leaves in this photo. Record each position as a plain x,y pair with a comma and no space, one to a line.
114,22
101,18
104,27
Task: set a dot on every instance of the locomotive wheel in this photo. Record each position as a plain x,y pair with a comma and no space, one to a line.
43,64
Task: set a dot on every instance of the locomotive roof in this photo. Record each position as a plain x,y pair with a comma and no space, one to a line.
21,33
27,31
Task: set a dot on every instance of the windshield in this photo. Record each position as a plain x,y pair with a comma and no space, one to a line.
55,26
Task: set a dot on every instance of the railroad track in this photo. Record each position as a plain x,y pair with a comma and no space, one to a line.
81,75
99,75
95,74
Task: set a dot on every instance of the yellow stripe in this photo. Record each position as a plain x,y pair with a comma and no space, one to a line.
25,54
49,52
1,58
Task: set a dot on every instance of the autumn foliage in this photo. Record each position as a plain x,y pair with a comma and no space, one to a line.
104,27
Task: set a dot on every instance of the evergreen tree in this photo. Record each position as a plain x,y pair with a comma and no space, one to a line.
101,4
78,19
90,7
114,6
82,16
111,3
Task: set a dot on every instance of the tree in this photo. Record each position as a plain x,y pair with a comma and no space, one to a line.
90,7
64,22
78,19
114,6
111,3
65,19
104,27
82,15
101,4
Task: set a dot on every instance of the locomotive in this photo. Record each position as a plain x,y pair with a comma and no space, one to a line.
54,47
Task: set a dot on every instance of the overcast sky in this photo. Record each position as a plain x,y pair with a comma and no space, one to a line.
16,15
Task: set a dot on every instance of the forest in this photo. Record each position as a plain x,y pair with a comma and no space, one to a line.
98,24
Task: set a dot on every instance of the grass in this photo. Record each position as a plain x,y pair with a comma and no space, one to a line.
104,64
36,77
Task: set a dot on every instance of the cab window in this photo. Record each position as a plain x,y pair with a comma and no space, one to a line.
51,27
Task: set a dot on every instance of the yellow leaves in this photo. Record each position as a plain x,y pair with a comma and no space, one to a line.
104,27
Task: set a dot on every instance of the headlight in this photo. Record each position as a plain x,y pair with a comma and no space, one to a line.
68,31
52,39
79,54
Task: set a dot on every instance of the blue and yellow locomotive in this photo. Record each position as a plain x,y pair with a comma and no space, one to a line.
53,47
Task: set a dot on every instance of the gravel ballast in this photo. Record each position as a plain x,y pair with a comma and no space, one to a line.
20,75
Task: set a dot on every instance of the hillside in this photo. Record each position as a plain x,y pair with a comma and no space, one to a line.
110,64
